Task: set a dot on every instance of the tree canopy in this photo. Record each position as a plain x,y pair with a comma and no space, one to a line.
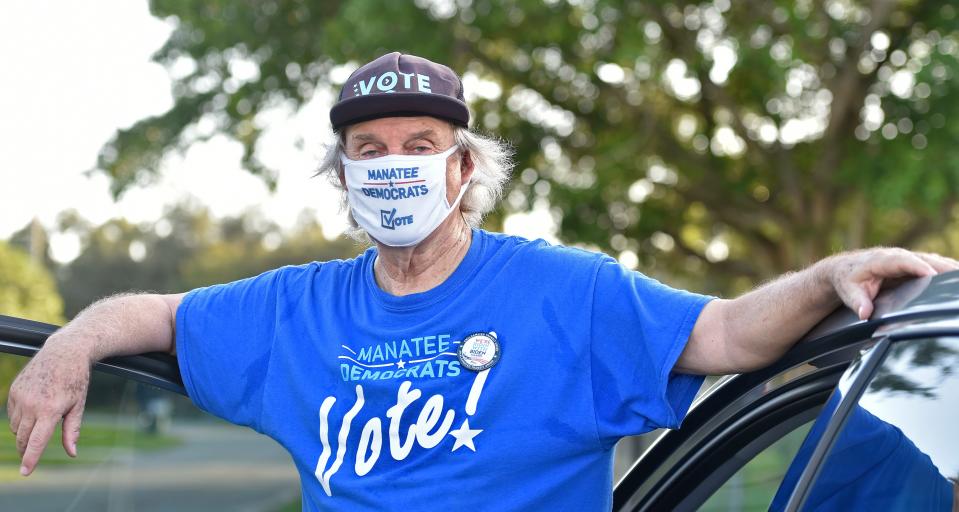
722,141
187,249
27,290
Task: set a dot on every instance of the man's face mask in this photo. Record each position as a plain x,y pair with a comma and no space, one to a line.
399,199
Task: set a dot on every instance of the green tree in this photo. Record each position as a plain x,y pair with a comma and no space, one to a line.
119,256
242,253
27,290
711,139
187,249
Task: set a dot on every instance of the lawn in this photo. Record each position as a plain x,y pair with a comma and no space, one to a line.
292,506
96,443
753,487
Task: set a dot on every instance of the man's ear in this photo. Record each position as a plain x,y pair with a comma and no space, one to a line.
466,166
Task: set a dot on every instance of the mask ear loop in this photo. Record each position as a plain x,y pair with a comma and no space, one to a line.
461,194
462,188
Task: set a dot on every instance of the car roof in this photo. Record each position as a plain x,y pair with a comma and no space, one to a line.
898,308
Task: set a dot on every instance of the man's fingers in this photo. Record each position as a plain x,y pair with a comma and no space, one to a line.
13,413
857,299
908,264
71,429
940,263
860,285
24,428
39,438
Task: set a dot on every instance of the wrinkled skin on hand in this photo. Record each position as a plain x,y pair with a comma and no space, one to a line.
857,276
51,388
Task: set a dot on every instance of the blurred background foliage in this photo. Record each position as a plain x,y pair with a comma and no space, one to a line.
187,249
27,290
716,144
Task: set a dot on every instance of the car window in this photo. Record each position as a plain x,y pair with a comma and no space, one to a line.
897,449
145,449
732,454
753,486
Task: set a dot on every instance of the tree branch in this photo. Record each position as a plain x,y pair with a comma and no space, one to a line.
848,91
713,95
729,267
923,226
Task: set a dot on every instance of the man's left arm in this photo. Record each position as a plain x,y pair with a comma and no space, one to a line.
754,330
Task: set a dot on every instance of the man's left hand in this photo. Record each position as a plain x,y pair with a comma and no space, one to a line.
857,276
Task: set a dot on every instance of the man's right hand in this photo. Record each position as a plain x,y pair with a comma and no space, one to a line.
53,386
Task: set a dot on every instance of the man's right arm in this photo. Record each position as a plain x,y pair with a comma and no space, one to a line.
53,385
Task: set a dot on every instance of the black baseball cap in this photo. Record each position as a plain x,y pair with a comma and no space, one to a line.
400,85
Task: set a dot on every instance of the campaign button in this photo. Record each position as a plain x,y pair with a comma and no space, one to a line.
479,351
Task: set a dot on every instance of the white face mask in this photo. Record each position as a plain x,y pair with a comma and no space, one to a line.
399,199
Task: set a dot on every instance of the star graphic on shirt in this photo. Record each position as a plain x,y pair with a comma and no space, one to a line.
464,436
391,184
401,364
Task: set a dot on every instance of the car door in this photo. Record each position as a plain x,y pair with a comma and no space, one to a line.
887,440
738,440
868,426
143,445
738,443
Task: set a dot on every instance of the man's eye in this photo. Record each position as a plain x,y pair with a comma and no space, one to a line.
422,149
369,153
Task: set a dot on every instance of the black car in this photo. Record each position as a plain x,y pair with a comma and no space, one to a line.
859,415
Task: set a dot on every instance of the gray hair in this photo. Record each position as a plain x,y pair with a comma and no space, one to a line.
492,164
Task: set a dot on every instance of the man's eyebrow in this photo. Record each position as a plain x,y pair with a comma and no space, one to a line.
367,137
423,134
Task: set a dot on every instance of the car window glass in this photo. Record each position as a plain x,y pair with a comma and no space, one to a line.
897,449
815,433
752,487
145,449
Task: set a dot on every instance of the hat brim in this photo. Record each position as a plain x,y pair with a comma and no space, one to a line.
365,108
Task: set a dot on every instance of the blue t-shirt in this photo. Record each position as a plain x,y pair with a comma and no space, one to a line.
366,392
871,466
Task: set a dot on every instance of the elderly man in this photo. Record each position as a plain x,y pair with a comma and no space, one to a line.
446,367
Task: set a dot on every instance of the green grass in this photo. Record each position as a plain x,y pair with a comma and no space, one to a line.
96,443
292,506
756,483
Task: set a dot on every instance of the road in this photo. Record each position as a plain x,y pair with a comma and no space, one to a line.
217,467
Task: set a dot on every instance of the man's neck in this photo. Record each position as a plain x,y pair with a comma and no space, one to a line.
407,270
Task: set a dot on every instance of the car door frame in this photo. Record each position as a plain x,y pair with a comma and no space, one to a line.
25,338
859,382
664,469
740,414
